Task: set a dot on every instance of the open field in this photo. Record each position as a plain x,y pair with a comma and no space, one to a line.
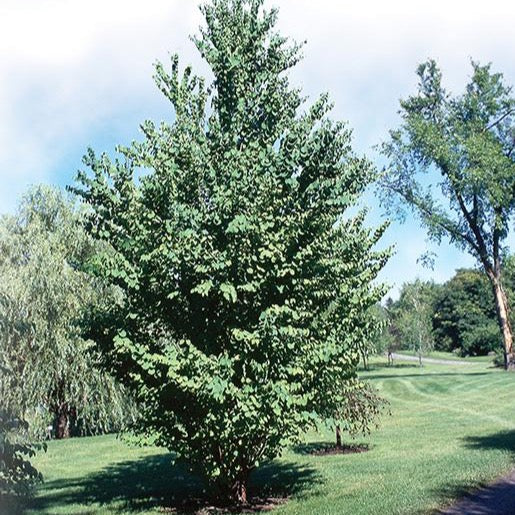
450,430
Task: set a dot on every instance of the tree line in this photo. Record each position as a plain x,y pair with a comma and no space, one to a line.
457,316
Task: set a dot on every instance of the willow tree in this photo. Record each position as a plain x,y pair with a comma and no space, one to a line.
245,285
54,374
453,164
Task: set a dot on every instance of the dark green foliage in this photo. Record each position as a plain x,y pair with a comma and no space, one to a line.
246,290
464,315
17,474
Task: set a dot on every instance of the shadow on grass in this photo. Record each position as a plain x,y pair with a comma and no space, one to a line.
381,366
11,504
478,497
137,485
503,440
328,449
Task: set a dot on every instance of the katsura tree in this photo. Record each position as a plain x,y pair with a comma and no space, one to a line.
54,373
244,282
452,161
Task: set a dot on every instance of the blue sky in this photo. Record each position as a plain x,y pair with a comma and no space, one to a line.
78,74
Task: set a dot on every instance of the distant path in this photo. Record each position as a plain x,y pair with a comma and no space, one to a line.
404,357
495,499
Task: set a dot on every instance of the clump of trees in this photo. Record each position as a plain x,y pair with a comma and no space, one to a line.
452,162
246,286
456,316
52,374
464,317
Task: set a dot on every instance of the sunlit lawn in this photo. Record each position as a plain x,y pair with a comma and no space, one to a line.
450,429
449,356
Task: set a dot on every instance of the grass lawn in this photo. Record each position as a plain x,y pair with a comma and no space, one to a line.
437,354
451,429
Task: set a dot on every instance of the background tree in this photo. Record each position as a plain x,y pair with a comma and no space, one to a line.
374,324
465,146
359,409
412,317
389,339
44,296
464,317
245,286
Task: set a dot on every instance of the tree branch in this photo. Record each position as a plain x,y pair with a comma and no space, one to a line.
493,124
446,226
479,245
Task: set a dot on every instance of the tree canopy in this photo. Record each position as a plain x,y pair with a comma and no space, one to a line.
246,288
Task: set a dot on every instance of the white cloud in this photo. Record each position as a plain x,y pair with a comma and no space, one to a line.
69,67
75,72
365,53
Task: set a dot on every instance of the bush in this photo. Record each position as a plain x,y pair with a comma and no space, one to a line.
17,474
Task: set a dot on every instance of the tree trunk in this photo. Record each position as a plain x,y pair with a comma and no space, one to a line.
235,493
501,304
239,491
63,423
338,436
364,358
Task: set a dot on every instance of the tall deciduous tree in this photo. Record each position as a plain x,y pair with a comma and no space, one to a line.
466,146
245,285
44,295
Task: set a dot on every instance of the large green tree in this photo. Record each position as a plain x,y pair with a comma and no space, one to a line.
452,161
245,285
54,373
464,317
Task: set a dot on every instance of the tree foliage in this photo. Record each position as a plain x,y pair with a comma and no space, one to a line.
359,409
453,163
464,318
17,474
44,295
245,286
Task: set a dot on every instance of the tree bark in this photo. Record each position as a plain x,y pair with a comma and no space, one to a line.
338,436
364,358
239,491
63,423
502,309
